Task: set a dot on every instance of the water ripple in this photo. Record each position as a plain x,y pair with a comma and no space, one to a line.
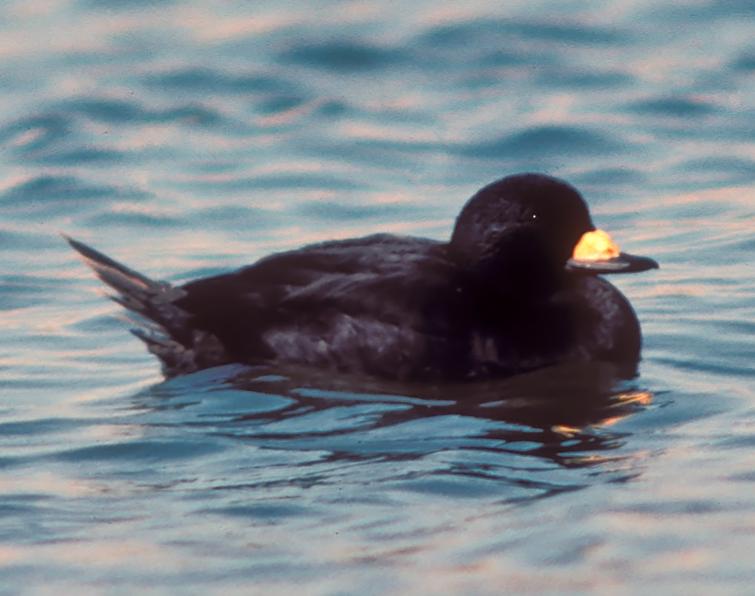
39,193
547,140
483,32
140,451
36,132
681,107
213,81
187,138
746,62
22,291
342,55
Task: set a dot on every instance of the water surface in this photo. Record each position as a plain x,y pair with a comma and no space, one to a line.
187,138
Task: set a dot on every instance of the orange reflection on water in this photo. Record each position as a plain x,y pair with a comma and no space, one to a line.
628,402
622,405
566,430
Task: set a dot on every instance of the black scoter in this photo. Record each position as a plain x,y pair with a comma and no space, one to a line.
516,288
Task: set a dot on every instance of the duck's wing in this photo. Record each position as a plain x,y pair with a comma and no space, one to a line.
362,304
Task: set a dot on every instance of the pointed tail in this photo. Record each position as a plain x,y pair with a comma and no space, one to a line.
166,327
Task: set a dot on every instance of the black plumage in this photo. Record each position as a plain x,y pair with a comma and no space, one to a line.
501,297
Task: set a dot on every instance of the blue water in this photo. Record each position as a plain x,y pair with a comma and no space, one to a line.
188,138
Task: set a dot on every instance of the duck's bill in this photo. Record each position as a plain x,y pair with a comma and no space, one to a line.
622,263
597,253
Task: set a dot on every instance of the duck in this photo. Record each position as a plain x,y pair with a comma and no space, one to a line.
519,286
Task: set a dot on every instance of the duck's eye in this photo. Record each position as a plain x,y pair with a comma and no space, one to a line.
533,217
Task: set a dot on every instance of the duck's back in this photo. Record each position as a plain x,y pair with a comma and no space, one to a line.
365,305
398,307
389,306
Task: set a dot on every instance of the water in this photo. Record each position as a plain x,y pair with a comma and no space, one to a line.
187,138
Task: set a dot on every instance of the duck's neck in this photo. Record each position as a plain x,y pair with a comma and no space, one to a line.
518,285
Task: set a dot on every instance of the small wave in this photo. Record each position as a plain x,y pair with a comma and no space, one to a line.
225,217
22,291
276,181
82,155
35,133
682,107
716,171
137,219
745,62
114,111
264,511
15,240
609,177
547,140
697,12
118,111
580,78
142,450
342,55
48,190
485,31
124,4
209,80
342,211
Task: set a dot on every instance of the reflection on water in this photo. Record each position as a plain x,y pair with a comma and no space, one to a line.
301,473
559,415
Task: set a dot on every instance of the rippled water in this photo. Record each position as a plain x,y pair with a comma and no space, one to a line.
187,138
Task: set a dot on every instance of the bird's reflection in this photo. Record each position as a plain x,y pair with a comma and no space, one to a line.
566,397
563,414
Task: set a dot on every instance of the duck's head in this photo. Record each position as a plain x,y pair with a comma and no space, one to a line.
526,230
